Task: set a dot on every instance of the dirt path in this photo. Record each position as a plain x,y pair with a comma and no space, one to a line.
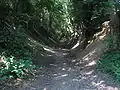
72,74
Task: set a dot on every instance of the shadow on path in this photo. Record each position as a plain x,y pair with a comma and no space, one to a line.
72,73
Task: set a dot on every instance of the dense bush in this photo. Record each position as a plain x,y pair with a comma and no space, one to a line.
110,63
15,68
17,46
88,16
110,60
110,43
14,41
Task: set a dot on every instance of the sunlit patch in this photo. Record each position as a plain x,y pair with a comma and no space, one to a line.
83,77
14,28
75,45
111,88
64,63
77,80
50,55
64,75
49,50
97,84
45,89
73,60
95,76
90,41
77,63
91,63
42,54
55,74
64,83
63,69
102,37
69,69
88,73
53,65
87,57
64,54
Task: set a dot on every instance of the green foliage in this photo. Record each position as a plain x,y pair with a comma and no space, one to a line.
110,63
62,21
88,16
14,41
91,12
20,44
110,42
13,68
110,60
56,15
17,46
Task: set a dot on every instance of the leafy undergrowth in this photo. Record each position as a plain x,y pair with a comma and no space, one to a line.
16,55
110,63
13,68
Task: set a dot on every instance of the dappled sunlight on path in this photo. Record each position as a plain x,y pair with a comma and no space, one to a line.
70,73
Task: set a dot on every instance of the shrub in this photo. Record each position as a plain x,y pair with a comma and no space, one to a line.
19,45
12,68
110,63
109,42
